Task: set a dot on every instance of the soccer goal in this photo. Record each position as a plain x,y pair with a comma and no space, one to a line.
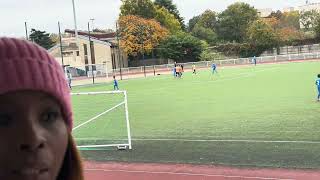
101,119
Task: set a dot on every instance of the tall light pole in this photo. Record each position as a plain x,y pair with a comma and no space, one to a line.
75,23
91,53
26,28
61,50
118,40
92,27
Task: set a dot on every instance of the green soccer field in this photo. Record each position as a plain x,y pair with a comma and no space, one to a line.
263,116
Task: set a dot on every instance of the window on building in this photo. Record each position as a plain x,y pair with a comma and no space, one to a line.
67,53
85,49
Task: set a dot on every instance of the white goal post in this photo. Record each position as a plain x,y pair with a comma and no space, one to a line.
126,144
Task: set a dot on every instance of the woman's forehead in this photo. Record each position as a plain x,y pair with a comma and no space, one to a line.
26,97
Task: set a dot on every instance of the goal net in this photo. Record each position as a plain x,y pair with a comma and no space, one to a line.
101,119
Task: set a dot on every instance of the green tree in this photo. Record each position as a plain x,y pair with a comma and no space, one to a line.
316,28
204,26
290,20
166,19
261,36
308,19
278,14
192,22
172,8
54,38
205,34
209,54
234,21
181,47
41,38
142,8
207,19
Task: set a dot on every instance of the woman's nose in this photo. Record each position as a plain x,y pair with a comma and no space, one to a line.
32,139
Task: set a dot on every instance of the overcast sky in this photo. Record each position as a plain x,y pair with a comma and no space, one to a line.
44,14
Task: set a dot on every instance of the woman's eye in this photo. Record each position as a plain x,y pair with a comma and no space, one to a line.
50,116
5,120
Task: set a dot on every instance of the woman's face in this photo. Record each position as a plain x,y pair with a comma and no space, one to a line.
33,136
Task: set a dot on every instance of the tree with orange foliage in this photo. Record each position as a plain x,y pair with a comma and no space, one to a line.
261,35
288,34
285,26
139,35
272,21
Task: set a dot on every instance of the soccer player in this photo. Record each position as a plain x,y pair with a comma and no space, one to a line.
69,78
214,68
318,86
115,83
254,60
179,71
194,69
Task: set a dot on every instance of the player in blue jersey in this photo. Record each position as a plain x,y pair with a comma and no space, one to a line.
115,83
318,86
174,71
254,60
214,68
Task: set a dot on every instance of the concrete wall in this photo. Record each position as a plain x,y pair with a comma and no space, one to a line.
293,50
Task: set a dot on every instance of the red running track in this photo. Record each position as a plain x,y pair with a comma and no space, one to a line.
140,171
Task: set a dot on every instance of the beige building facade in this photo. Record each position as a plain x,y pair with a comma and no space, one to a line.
100,57
264,12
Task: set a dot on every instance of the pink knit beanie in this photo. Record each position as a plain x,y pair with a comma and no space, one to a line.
27,66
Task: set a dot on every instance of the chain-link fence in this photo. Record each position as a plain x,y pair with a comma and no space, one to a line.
100,73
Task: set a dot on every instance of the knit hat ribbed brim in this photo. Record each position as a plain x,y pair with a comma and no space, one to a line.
27,66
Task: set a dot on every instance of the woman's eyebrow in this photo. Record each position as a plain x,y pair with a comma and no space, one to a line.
44,97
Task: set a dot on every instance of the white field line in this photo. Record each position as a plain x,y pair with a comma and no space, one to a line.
231,140
208,140
252,132
98,93
97,116
188,174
